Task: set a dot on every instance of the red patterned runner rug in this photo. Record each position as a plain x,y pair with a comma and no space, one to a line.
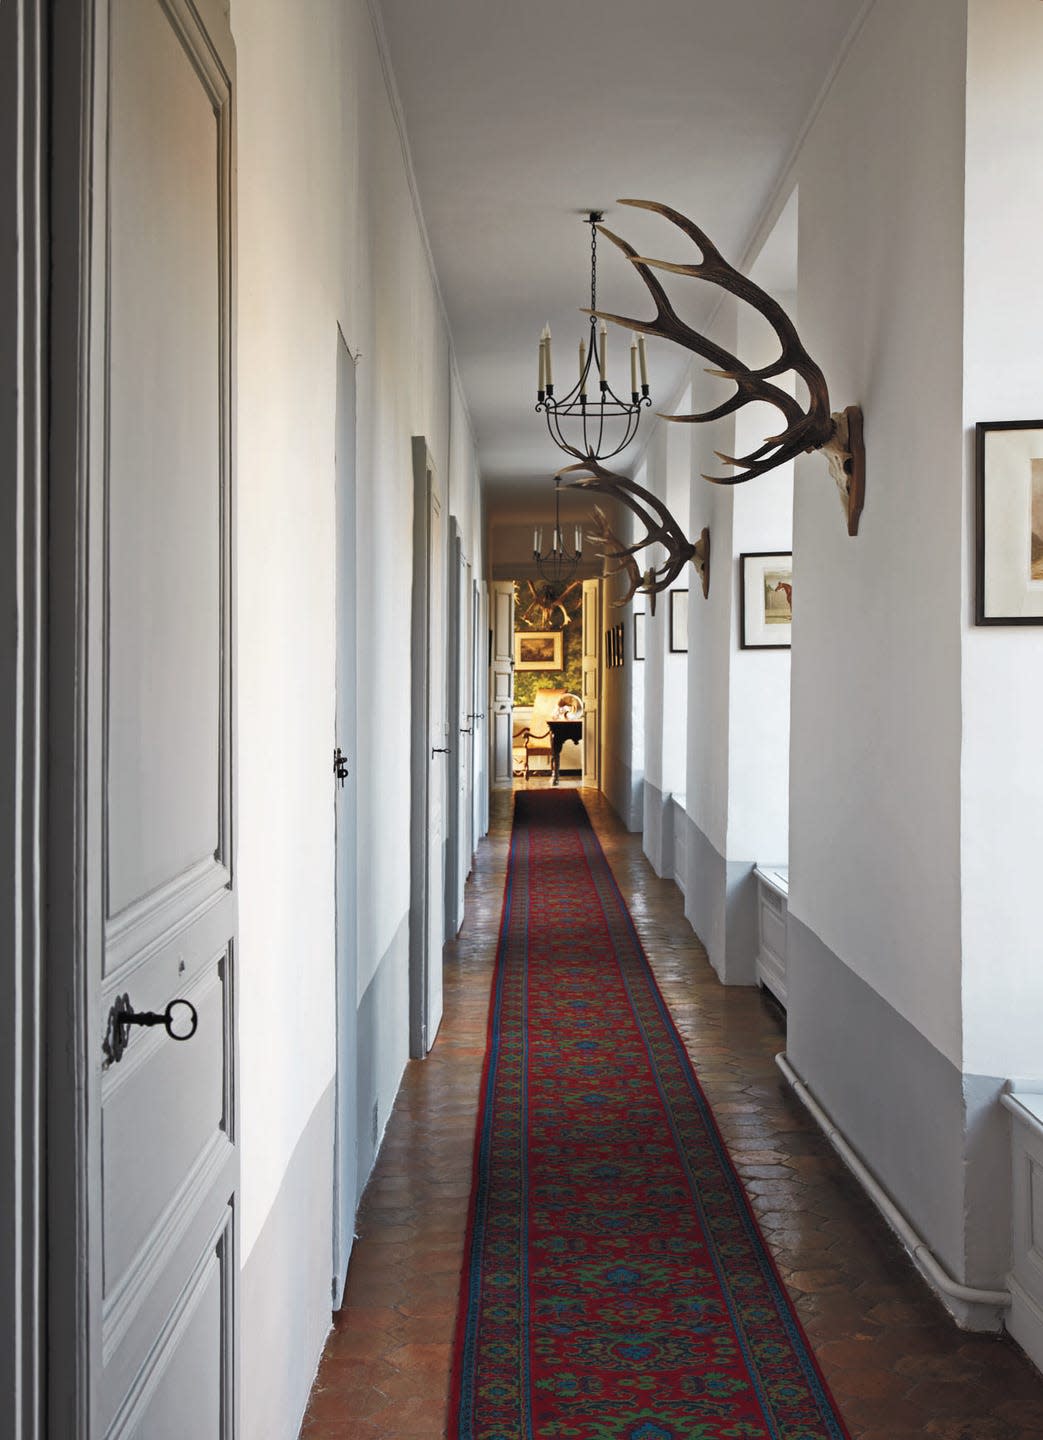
615,1284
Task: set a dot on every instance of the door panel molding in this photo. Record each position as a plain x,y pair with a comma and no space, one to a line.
217,1261
157,919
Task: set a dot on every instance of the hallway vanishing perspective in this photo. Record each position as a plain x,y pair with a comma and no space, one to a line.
341,344
897,1367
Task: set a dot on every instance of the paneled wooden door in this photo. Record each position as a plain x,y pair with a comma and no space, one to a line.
153,917
501,681
429,753
344,778
592,602
438,797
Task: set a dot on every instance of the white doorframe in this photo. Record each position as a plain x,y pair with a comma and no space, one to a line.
425,897
454,879
23,294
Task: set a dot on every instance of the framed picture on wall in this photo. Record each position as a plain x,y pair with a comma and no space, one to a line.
679,621
1009,589
608,649
766,600
538,650
639,635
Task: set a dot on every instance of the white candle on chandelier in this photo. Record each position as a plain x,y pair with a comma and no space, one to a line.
548,374
643,358
535,542
541,384
578,541
633,364
604,350
582,368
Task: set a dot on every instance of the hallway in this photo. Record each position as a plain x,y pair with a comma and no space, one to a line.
898,1367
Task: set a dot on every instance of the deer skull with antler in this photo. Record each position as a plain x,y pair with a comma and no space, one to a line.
838,436
667,533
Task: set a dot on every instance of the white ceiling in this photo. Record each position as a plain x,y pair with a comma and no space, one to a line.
524,114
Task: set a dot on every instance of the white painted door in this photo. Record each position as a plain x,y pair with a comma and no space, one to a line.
592,682
344,780
158,854
480,703
438,734
501,681
465,730
456,760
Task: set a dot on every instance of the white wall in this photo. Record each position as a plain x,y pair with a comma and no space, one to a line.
664,674
874,794
622,730
710,638
328,235
677,493
759,710
1002,680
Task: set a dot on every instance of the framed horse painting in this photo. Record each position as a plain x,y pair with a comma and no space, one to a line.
766,600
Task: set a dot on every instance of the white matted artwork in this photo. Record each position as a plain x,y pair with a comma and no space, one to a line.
766,600
679,620
1010,523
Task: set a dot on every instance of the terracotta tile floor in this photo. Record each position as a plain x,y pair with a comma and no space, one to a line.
900,1370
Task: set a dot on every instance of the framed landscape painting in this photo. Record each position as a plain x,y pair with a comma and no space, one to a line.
538,650
766,600
1009,522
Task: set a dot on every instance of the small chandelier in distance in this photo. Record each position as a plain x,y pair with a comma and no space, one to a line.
558,564
601,429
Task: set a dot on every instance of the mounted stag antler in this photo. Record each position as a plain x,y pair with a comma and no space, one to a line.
544,602
613,549
660,529
838,436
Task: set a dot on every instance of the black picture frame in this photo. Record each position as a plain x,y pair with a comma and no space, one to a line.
753,628
1000,514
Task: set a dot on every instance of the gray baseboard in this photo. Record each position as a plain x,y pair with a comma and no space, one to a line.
285,1288
937,1140
383,1042
658,836
721,904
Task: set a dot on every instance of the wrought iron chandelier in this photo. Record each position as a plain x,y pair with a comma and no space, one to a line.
601,428
558,564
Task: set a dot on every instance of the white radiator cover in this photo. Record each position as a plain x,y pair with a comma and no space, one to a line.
772,910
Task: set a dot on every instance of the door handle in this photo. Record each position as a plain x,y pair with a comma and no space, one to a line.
123,1015
464,731
340,766
439,750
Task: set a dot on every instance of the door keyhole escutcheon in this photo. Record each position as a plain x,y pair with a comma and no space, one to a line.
340,766
180,1020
